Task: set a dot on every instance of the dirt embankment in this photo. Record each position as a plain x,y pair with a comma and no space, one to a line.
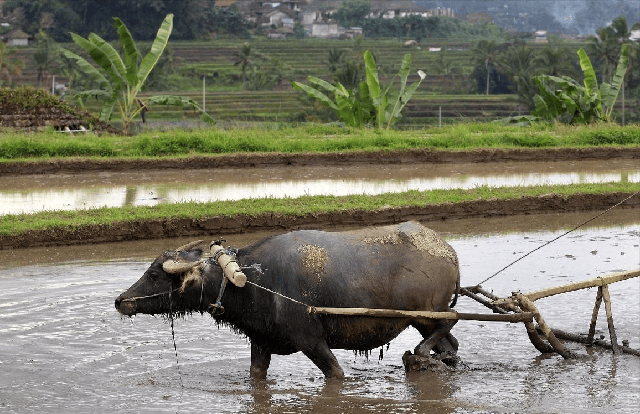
338,158
166,228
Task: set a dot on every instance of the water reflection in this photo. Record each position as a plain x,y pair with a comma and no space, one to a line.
147,188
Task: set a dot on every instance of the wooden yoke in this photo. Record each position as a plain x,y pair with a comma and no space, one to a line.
230,268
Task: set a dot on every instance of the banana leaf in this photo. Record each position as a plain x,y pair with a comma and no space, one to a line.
346,111
336,90
373,83
590,80
314,93
180,101
131,53
107,108
609,98
87,68
404,97
98,56
117,67
157,48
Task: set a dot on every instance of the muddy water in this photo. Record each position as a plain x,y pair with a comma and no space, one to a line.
31,193
65,349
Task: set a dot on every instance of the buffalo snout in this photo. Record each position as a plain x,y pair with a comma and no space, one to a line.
125,306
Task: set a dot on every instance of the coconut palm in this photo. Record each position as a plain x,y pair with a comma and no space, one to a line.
551,60
518,62
485,53
246,59
45,56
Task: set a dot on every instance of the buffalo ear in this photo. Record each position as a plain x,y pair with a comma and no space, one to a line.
174,266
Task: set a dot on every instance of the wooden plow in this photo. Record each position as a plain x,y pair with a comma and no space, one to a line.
520,308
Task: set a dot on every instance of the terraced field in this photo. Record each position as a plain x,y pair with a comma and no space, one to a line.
438,95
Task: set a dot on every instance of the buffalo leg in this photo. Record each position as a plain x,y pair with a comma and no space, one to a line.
320,354
438,338
260,360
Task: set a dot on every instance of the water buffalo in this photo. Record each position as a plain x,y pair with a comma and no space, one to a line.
405,266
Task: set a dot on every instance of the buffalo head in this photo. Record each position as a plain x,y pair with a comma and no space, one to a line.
172,284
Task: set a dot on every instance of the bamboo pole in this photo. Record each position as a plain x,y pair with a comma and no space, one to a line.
486,303
594,315
612,330
532,332
527,305
398,313
598,342
570,287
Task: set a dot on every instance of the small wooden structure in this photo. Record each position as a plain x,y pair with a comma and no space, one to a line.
519,308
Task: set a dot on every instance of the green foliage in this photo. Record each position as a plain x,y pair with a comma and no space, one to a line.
126,76
9,67
312,138
565,100
226,20
46,54
371,104
26,98
439,27
352,13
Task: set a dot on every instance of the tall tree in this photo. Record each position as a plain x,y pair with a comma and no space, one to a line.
9,67
484,54
518,63
45,56
352,13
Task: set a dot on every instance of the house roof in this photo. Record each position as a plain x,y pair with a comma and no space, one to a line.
224,3
16,34
402,5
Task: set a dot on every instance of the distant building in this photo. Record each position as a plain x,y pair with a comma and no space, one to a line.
634,36
327,29
541,36
16,38
476,18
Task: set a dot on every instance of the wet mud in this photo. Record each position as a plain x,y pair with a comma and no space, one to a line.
66,349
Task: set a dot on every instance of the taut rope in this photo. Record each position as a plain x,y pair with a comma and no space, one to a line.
562,235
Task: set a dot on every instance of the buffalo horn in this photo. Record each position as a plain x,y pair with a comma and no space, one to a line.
173,266
189,246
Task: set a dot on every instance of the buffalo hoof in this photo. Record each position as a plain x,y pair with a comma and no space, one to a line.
422,363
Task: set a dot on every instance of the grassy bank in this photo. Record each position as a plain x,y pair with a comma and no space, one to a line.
309,138
11,225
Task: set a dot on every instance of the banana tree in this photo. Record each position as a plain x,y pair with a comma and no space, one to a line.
121,80
565,100
372,104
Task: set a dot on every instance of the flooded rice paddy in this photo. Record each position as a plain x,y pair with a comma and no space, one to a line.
64,348
32,193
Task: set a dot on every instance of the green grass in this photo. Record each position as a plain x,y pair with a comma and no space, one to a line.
15,224
310,138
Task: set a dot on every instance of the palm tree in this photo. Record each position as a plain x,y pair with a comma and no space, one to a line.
9,67
485,53
246,59
519,63
45,56
551,60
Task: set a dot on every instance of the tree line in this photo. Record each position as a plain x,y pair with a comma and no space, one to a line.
59,17
199,18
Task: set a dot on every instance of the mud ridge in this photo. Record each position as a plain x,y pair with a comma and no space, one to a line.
248,160
218,225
